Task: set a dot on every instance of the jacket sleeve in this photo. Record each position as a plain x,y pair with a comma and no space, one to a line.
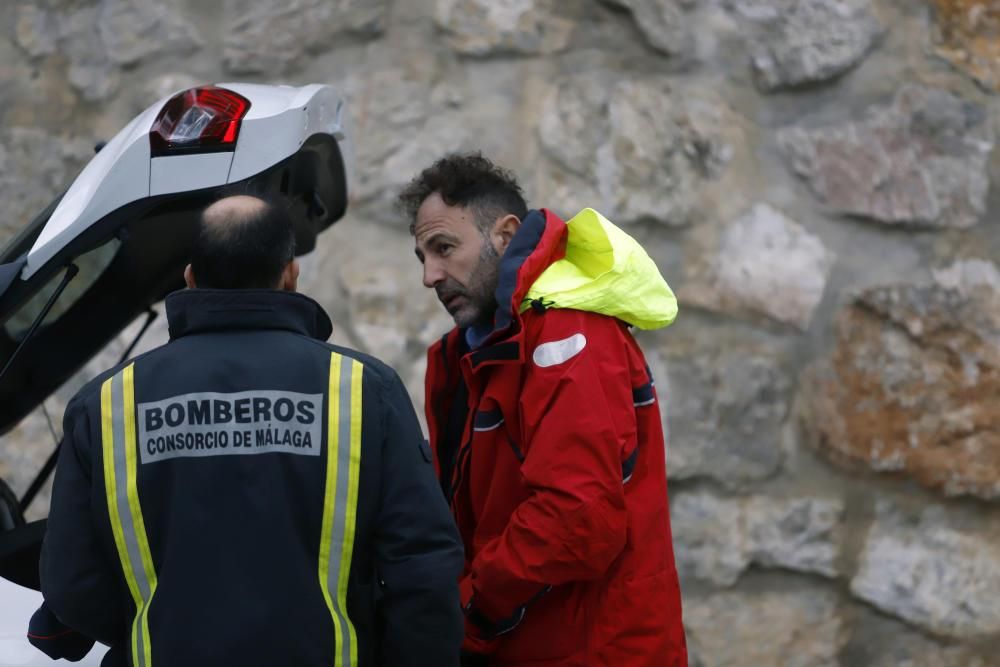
81,586
417,548
578,419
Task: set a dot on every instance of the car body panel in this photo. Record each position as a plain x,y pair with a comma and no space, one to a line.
277,124
180,173
266,132
117,175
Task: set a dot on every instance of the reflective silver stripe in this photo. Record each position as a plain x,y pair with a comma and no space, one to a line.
140,639
121,474
628,465
644,395
487,420
121,448
490,427
343,466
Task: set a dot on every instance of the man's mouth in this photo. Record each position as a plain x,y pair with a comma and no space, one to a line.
450,301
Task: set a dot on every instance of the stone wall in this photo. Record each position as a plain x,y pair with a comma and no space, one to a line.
812,176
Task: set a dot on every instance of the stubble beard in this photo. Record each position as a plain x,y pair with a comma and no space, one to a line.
480,293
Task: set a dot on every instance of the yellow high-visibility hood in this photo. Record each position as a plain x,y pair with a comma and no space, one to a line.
605,271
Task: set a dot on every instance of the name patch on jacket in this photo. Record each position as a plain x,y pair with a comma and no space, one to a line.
246,422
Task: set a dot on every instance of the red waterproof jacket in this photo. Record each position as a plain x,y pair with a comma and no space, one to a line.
548,442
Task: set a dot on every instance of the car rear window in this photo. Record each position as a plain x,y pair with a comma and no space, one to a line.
91,265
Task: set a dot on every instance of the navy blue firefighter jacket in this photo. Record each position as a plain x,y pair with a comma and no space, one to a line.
248,494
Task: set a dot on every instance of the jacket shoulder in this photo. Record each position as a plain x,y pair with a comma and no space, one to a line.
373,366
93,386
568,321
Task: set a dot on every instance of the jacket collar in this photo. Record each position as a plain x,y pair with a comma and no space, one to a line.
194,311
539,241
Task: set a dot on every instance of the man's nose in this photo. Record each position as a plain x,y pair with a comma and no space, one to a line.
433,273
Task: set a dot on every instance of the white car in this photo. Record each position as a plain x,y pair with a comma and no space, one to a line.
116,242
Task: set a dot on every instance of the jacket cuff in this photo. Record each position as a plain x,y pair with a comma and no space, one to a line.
480,625
56,640
482,608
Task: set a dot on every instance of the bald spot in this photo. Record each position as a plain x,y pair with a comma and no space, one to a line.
232,211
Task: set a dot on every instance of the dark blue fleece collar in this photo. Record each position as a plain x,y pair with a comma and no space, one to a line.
199,310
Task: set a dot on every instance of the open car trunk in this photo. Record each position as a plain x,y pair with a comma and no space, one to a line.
123,263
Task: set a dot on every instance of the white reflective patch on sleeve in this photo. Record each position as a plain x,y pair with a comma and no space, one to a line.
558,351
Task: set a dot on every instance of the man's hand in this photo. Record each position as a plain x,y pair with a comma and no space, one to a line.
53,638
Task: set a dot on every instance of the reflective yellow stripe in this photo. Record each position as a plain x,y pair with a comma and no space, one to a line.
128,387
351,509
108,449
119,449
329,498
340,499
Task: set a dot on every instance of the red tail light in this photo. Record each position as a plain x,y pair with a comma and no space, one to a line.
198,120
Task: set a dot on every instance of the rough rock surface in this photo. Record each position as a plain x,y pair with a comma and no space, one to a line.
969,276
921,161
794,629
637,147
100,38
34,167
485,27
967,34
664,23
132,30
909,649
716,538
402,126
273,36
932,572
728,397
161,86
35,94
764,263
799,42
913,384
390,310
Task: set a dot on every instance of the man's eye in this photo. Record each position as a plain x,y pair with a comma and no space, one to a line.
445,249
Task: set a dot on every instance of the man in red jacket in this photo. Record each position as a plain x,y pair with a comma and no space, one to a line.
545,425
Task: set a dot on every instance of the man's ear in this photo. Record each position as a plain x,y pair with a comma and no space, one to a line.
503,231
290,276
189,277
